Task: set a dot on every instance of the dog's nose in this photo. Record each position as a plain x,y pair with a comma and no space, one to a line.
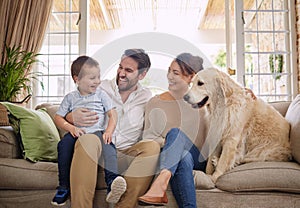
186,97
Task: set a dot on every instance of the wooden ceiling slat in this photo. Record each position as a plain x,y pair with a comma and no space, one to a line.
213,18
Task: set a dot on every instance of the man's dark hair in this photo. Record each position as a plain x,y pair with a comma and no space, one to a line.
79,62
140,56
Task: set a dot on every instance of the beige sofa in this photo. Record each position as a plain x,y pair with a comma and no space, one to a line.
260,185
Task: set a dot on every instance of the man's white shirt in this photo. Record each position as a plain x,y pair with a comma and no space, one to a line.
130,114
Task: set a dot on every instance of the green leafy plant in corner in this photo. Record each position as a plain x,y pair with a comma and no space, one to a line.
221,59
15,75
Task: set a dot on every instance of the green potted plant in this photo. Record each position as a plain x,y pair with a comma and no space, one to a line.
276,66
15,74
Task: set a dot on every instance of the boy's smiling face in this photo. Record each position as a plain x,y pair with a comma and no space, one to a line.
89,80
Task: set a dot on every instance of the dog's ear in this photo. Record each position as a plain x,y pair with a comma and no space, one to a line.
224,84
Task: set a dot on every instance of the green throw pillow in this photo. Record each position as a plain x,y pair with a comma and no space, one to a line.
39,135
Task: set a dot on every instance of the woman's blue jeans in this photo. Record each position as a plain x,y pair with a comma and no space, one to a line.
181,157
65,149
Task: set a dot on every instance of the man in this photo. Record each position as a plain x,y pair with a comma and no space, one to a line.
137,159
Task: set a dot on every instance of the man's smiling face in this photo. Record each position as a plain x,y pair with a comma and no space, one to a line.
127,74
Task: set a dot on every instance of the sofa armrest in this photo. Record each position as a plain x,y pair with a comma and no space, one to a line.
9,145
281,106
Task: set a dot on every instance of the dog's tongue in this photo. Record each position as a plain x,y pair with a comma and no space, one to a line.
201,103
195,105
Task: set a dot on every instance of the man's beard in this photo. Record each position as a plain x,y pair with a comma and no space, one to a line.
128,84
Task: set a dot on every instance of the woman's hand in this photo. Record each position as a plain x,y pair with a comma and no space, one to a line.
82,117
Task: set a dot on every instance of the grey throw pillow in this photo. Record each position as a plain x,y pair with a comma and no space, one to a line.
293,117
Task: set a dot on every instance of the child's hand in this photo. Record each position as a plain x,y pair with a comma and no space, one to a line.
107,137
77,132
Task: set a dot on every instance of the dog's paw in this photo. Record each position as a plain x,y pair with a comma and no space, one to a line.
216,175
209,168
212,178
214,161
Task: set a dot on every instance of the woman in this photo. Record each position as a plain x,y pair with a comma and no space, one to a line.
180,130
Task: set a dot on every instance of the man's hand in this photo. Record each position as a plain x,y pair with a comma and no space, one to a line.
82,117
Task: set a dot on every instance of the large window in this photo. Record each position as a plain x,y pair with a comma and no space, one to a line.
261,51
59,48
266,48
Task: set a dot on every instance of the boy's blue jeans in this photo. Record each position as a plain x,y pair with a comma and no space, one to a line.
65,149
181,157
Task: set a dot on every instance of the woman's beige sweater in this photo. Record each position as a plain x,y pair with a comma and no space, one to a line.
162,115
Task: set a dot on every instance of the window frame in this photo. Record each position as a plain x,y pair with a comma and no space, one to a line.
238,56
290,53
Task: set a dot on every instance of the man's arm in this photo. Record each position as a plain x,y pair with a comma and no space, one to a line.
82,117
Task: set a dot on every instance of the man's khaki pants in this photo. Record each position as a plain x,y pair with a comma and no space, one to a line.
138,162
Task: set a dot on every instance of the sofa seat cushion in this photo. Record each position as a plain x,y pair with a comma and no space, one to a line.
262,176
20,174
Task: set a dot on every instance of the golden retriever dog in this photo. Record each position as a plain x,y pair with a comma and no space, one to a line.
242,129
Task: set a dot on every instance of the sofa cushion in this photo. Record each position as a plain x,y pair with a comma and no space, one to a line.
202,181
262,176
51,110
20,174
39,135
293,117
281,106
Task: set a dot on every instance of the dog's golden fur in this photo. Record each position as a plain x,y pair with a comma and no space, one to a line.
241,129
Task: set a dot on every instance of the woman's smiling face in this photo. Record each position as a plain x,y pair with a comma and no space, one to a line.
178,81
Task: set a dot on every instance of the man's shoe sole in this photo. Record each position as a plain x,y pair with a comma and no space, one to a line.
118,188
